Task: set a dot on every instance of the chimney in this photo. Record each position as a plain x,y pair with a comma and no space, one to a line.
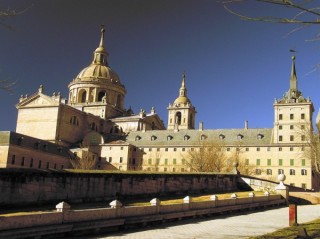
246,124
200,126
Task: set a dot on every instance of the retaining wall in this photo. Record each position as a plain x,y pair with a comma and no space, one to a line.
31,187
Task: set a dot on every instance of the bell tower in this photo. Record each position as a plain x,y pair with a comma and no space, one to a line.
292,114
181,114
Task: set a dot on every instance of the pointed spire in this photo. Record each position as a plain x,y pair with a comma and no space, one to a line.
103,30
293,77
100,54
183,89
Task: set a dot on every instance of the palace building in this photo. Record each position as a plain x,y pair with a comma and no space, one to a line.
92,124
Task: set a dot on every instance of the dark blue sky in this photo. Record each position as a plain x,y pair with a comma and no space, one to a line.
234,68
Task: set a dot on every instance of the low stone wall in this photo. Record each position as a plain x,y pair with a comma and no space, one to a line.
67,220
32,187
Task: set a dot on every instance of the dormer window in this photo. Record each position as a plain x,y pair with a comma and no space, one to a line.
186,137
260,136
203,137
239,136
169,137
138,138
153,138
221,136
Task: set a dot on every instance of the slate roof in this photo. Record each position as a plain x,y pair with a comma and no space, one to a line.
232,137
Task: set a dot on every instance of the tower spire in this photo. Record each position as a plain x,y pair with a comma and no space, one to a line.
293,77
103,30
183,89
100,54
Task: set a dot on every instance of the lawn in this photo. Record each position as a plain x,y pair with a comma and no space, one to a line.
312,229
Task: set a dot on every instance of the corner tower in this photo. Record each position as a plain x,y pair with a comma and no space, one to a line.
292,114
181,114
97,88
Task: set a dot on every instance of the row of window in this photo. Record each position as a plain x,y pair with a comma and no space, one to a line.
220,148
302,138
280,162
32,163
281,171
291,116
302,127
202,137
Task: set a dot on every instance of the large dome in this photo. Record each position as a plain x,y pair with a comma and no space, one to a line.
98,73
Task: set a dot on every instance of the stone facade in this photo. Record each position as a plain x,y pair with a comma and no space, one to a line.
94,120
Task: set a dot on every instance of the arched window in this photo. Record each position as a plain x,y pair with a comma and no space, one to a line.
118,101
178,118
101,95
83,96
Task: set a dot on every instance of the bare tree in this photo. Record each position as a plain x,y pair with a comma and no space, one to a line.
84,159
209,157
5,14
303,13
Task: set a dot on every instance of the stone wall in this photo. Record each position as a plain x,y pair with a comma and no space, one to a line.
35,187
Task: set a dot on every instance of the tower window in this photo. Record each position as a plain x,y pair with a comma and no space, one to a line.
280,138
291,116
291,138
178,118
302,116
280,116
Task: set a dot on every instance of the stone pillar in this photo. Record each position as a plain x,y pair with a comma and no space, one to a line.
156,202
281,188
116,205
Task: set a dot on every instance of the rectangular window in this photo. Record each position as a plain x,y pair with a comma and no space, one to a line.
228,149
303,138
280,116
280,127
303,172
280,138
268,149
303,162
302,127
55,166
158,161
269,162
48,164
183,149
291,138
302,116
280,148
291,148
174,161
110,159
174,149
269,171
182,170
183,161
292,172
258,171
291,127
166,149
258,149
121,159
39,164
291,162
158,149
121,148
165,161
174,169
280,171
280,162
22,161
150,149
247,149
31,162
13,159
291,116
165,169
133,161
149,161
258,162
303,185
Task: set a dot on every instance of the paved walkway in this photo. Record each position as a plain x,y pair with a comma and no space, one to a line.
227,226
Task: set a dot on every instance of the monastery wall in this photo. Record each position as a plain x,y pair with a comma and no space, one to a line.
33,187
